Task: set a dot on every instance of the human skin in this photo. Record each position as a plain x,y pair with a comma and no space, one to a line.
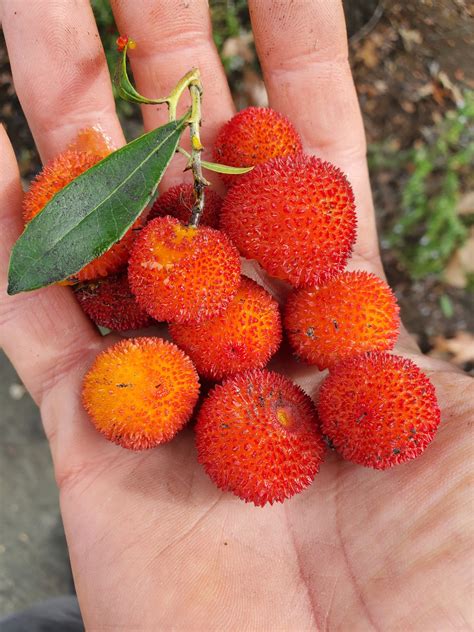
153,544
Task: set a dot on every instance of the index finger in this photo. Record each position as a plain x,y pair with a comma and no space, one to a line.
60,71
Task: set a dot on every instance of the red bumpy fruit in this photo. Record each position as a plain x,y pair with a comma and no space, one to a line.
353,313
140,392
182,274
244,336
252,137
179,201
110,303
90,147
257,436
378,409
295,216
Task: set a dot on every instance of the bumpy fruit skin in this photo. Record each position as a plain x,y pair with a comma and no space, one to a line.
54,177
353,313
92,140
252,137
295,216
183,274
110,303
89,147
257,436
140,392
378,409
179,201
244,336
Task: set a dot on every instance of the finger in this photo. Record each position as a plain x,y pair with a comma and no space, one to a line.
49,341
62,80
173,37
61,77
51,344
302,47
59,70
44,333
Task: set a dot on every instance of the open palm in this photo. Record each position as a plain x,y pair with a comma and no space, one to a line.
153,544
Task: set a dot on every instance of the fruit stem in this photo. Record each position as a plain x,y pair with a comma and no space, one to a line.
129,93
190,78
200,182
192,81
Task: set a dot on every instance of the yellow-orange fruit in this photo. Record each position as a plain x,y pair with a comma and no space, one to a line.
140,392
378,409
55,176
243,336
183,274
179,201
294,215
352,313
253,136
92,140
109,303
257,436
89,148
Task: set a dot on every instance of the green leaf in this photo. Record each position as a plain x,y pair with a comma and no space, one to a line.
125,88
218,168
93,212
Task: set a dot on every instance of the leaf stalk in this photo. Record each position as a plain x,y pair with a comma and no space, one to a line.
191,81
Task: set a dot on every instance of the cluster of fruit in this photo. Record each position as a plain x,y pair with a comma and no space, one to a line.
258,434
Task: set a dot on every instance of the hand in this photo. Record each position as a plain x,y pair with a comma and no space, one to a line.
153,544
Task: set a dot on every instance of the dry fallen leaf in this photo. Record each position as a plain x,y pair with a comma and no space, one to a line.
423,91
466,204
461,264
446,82
458,350
368,53
411,38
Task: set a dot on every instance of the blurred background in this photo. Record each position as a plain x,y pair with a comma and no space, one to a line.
413,66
